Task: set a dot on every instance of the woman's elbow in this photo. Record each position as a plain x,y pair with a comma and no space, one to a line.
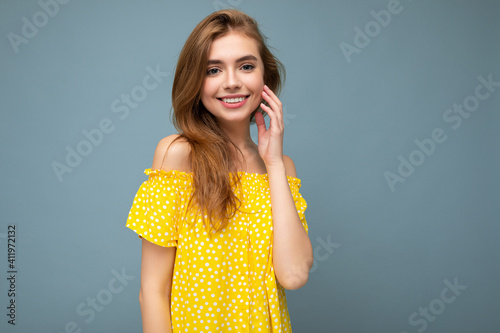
295,280
295,284
146,295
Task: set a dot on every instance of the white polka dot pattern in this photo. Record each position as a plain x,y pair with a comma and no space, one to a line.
226,283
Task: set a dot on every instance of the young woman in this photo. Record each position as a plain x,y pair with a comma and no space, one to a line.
221,218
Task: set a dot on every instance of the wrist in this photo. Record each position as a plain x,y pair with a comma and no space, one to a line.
276,167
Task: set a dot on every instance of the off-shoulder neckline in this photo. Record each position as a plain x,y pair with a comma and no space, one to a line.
190,174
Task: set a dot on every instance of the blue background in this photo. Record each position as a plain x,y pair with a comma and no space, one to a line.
384,253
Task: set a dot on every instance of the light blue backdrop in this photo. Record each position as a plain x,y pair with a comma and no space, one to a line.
390,120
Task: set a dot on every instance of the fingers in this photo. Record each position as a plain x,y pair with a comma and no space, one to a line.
275,107
260,122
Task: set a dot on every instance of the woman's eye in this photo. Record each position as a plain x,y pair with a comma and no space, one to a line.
248,67
212,71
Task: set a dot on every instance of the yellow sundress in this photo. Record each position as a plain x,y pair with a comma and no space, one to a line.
226,284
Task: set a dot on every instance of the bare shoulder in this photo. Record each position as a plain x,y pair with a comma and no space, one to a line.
289,166
172,155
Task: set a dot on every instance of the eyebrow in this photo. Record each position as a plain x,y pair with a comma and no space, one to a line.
244,58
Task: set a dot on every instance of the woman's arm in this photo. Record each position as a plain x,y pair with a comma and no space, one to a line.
292,249
157,264
156,283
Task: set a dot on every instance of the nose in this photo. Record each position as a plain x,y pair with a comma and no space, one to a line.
231,80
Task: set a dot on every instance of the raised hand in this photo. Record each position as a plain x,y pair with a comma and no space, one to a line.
271,140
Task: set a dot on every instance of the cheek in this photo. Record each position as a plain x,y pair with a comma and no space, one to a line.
261,81
258,85
258,88
207,90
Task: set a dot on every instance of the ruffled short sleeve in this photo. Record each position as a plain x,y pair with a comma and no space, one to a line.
300,202
156,209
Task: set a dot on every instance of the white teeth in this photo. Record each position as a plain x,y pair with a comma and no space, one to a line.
233,100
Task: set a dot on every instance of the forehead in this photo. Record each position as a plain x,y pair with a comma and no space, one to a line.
232,46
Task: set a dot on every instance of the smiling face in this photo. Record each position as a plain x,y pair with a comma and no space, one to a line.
234,80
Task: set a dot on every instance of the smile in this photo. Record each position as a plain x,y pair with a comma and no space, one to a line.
233,103
233,100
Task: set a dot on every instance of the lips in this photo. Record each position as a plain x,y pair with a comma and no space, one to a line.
233,99
233,102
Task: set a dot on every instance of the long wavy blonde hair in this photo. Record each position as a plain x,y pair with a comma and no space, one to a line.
211,159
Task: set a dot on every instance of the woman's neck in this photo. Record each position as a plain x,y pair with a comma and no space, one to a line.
240,136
